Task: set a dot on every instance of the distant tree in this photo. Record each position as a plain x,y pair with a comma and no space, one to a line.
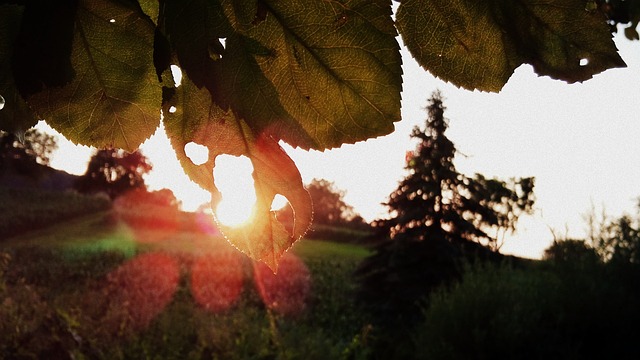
615,240
35,146
439,218
436,200
571,251
114,172
619,242
329,207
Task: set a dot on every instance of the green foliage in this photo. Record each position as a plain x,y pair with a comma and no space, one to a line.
315,74
483,42
546,311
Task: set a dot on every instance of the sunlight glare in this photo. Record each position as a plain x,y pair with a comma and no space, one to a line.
198,154
177,75
279,202
232,177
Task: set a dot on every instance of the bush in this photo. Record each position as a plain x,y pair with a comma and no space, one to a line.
544,312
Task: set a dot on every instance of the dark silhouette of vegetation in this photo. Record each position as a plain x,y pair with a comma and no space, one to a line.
114,172
571,251
329,207
439,220
435,200
34,147
553,310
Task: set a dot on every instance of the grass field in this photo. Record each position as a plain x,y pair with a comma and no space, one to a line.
97,288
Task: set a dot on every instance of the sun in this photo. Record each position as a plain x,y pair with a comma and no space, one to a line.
233,178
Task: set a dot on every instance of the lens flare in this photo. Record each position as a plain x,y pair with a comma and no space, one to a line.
217,280
141,288
287,291
232,175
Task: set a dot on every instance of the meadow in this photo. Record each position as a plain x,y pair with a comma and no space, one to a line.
123,282
109,284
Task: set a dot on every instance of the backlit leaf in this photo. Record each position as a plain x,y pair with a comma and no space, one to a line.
316,74
478,44
197,119
114,97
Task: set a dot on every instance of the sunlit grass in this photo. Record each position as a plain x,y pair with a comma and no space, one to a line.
198,312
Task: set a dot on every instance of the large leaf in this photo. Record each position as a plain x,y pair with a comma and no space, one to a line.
478,44
317,74
114,97
194,28
197,119
15,114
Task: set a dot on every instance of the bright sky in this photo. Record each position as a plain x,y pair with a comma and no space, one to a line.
580,141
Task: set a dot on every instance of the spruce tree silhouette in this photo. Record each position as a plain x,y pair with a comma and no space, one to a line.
439,218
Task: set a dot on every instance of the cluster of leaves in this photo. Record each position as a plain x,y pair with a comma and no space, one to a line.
315,74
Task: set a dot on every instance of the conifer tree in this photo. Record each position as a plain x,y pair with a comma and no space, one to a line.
435,200
439,218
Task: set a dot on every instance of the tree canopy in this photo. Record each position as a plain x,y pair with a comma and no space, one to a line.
329,207
315,74
114,172
34,146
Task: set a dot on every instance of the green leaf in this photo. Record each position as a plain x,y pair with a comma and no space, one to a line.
197,119
15,115
317,74
478,44
151,8
114,97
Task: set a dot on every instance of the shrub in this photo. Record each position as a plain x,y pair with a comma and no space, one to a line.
543,312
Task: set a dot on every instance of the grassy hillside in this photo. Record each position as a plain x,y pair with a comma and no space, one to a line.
98,288
25,209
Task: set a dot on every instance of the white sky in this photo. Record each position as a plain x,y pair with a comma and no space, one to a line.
580,141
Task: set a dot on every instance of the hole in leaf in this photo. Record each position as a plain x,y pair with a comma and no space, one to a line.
232,176
1,102
177,74
112,21
279,202
172,109
584,62
198,154
223,41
